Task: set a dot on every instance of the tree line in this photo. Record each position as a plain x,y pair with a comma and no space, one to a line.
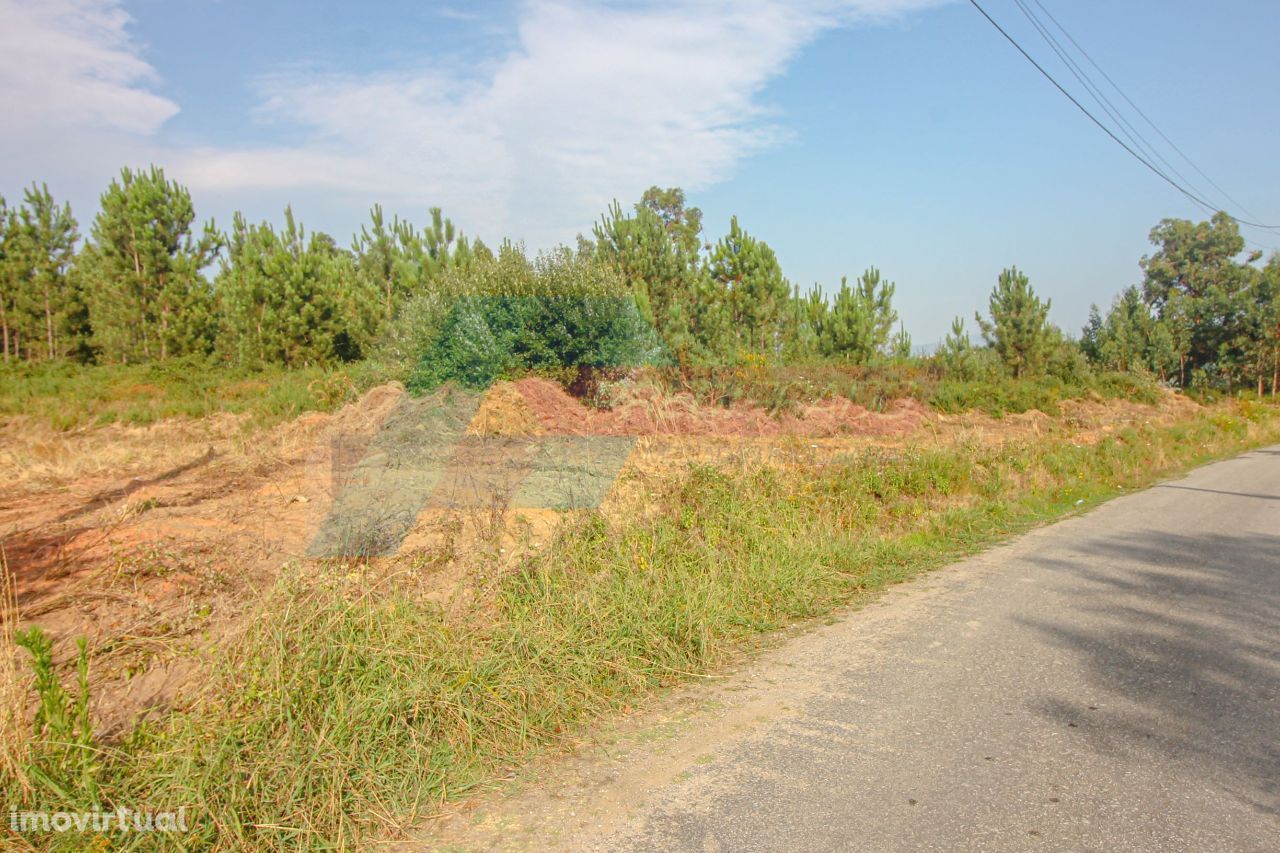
1203,315
151,284
139,288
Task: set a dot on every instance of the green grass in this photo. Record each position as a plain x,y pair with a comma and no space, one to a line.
784,387
1005,395
66,396
350,708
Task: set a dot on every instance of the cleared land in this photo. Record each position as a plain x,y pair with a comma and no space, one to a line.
462,578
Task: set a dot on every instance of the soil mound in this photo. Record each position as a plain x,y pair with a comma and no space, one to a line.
646,411
553,407
364,415
504,411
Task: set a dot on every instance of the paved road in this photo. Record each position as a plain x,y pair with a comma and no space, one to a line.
1110,682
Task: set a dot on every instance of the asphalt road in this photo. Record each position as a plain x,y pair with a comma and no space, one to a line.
1111,682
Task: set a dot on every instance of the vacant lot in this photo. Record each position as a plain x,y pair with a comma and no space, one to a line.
407,592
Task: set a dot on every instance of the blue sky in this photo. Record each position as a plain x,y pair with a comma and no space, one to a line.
904,134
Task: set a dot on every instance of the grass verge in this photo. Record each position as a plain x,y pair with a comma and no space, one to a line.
350,709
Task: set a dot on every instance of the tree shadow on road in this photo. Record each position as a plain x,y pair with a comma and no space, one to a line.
1182,641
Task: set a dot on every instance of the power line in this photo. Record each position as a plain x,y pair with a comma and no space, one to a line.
1139,111
1144,161
1115,113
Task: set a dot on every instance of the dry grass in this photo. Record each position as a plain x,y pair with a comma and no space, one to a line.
14,689
35,456
351,705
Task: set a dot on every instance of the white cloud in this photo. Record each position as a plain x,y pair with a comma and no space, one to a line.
594,102
70,63
79,99
590,103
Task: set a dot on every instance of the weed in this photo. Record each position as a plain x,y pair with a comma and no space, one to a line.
63,758
15,738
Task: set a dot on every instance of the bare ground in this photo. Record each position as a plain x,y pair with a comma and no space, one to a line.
156,542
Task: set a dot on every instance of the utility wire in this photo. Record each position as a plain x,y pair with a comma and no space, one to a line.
1139,111
1115,113
1143,160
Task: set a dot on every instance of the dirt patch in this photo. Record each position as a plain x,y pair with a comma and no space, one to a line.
155,542
504,411
645,411
152,566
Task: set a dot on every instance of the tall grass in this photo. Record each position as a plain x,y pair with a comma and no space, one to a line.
15,735
352,709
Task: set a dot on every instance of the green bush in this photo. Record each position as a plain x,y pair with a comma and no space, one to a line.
1002,395
510,316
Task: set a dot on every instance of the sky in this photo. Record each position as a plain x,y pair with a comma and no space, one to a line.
902,134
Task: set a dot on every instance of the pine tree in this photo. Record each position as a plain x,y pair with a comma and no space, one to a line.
286,299
1130,338
861,319
900,344
1265,344
807,317
377,253
956,351
1018,329
399,261
656,249
8,277
748,274
147,296
44,246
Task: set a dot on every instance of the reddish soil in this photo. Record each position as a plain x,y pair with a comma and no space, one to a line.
150,567
648,413
157,542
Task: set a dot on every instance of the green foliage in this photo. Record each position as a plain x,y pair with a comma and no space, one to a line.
564,310
8,279
858,325
1202,295
993,391
747,278
1204,317
806,318
1266,318
285,299
900,343
1018,329
656,250
1131,338
957,352
398,262
65,759
142,271
41,312
63,395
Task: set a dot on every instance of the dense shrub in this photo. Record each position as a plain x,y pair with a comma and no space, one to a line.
563,310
